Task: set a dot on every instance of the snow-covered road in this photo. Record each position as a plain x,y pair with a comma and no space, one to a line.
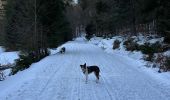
59,77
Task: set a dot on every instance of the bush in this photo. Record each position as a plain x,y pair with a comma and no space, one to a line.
148,48
162,62
157,47
129,40
116,44
22,63
148,57
130,45
167,64
26,59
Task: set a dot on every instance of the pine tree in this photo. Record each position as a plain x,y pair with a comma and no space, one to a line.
59,30
31,22
33,26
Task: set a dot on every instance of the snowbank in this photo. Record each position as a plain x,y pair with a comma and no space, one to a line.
1,49
8,57
135,56
107,45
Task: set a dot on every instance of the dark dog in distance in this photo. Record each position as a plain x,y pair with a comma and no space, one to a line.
62,50
90,69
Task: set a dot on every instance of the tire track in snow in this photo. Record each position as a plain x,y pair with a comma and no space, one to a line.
91,59
48,81
58,80
107,89
67,67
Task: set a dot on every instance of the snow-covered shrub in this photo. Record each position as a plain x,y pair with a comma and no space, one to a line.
116,44
158,60
130,44
167,64
146,49
126,42
164,64
150,49
148,57
157,47
165,47
24,61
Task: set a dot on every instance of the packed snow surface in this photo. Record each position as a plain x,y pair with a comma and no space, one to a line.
59,77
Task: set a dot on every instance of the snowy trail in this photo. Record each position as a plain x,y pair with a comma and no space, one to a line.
59,77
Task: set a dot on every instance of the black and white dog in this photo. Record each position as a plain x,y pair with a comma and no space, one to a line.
89,69
62,50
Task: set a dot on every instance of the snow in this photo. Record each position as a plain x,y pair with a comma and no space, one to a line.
152,41
80,39
167,53
95,40
59,77
136,56
107,45
8,57
1,49
141,39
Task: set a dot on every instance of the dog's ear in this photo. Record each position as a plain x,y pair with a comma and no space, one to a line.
81,65
85,64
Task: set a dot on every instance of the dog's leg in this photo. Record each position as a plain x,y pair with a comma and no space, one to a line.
86,78
86,74
2,77
97,77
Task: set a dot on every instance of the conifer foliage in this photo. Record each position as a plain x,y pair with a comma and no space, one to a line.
128,16
32,26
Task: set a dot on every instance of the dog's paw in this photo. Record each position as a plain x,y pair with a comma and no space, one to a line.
97,81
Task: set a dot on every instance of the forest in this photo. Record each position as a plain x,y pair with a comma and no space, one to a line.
123,16
39,24
33,26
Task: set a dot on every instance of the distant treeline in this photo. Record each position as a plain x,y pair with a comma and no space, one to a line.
123,16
